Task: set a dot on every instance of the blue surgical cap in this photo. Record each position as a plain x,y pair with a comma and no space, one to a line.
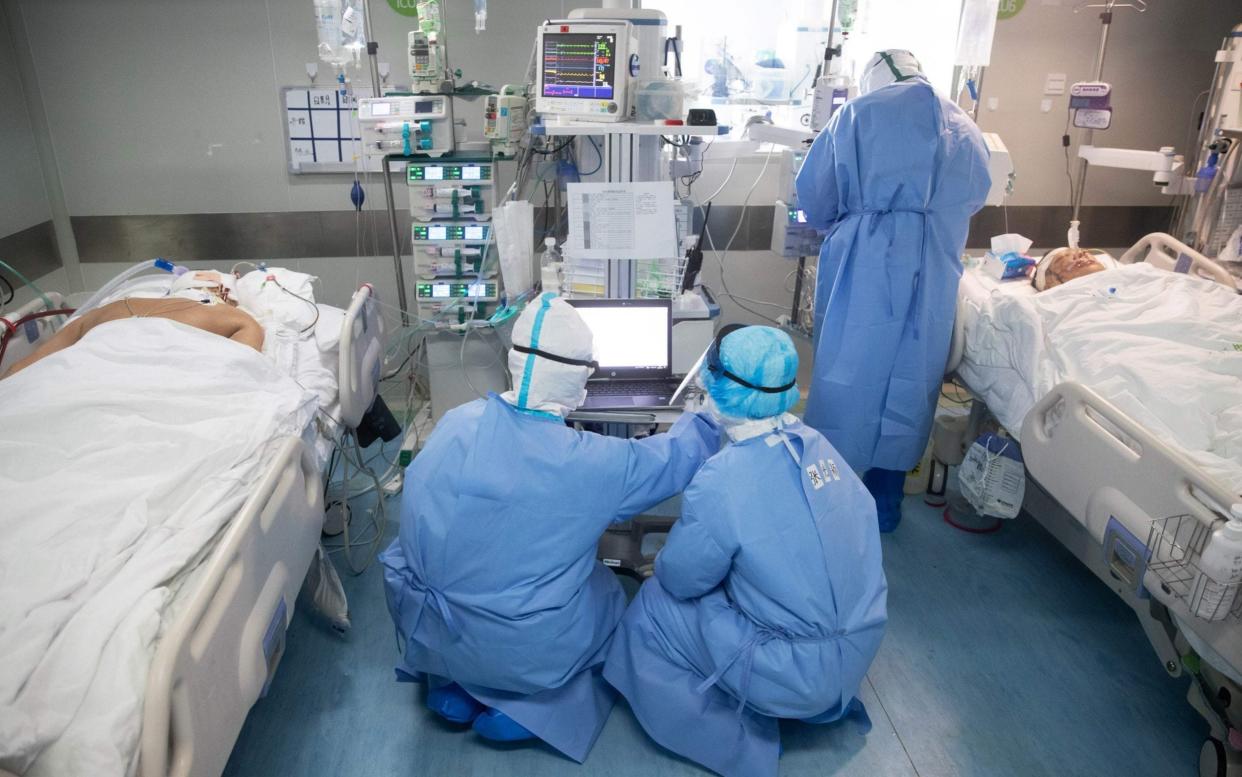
760,355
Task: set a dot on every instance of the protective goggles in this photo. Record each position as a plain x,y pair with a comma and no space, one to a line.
715,366
594,365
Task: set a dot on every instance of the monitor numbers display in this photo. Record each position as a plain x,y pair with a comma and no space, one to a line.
579,65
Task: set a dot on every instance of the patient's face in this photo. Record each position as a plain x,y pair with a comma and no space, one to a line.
1070,264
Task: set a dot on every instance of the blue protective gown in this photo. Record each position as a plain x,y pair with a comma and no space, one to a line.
895,178
493,581
768,601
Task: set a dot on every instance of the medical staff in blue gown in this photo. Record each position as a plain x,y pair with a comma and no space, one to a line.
769,598
493,583
894,178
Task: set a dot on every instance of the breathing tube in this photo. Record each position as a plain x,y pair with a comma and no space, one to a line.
112,285
29,283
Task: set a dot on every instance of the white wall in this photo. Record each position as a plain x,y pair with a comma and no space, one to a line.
23,198
1157,62
173,106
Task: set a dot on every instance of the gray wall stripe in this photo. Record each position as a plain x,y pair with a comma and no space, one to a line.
308,234
32,251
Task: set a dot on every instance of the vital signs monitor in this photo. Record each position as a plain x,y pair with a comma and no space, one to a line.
586,69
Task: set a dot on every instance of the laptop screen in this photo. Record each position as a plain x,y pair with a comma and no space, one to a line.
632,337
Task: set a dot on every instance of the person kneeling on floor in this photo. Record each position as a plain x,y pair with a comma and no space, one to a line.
769,598
493,582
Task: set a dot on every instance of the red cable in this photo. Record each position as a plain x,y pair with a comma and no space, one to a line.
11,327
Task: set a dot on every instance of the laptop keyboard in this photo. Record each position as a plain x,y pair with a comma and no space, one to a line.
633,388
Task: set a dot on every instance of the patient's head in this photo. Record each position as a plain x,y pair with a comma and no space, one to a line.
1064,265
219,285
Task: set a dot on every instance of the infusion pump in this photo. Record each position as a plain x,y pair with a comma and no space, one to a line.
586,69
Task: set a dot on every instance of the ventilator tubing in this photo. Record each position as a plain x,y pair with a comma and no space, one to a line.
112,285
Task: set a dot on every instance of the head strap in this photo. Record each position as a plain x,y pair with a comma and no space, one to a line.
594,365
716,366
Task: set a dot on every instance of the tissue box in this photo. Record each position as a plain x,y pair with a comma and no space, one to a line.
1006,267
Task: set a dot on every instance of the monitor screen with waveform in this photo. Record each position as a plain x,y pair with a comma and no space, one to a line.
579,65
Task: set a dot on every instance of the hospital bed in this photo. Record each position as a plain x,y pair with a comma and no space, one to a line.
223,636
1130,503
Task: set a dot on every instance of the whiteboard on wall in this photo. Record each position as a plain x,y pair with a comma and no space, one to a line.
321,131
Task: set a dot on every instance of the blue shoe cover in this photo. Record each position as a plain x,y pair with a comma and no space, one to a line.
854,711
889,519
885,486
858,713
499,727
453,704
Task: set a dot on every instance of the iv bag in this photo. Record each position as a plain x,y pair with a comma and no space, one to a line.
342,34
975,32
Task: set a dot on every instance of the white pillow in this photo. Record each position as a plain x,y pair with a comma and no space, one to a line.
277,297
328,329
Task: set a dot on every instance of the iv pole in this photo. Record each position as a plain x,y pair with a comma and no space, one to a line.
1106,19
389,198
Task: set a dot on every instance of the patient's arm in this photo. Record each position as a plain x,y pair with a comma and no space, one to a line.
249,333
223,320
68,335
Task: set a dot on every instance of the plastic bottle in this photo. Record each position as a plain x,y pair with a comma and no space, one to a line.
1220,570
550,266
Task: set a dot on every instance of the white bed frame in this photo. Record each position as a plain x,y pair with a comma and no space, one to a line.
217,657
1088,462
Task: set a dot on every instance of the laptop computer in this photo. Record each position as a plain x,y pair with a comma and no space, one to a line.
634,348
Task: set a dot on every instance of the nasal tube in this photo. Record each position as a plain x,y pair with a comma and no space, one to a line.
111,286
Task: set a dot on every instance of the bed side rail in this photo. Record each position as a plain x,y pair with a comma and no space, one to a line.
361,355
215,660
957,346
1099,463
1164,251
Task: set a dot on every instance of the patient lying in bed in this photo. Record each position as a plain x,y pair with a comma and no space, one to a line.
1064,265
201,299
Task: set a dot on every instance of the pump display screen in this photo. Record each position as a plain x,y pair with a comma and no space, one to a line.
449,173
442,232
457,290
579,65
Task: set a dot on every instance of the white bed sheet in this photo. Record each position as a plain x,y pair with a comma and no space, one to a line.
1165,348
309,357
121,460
